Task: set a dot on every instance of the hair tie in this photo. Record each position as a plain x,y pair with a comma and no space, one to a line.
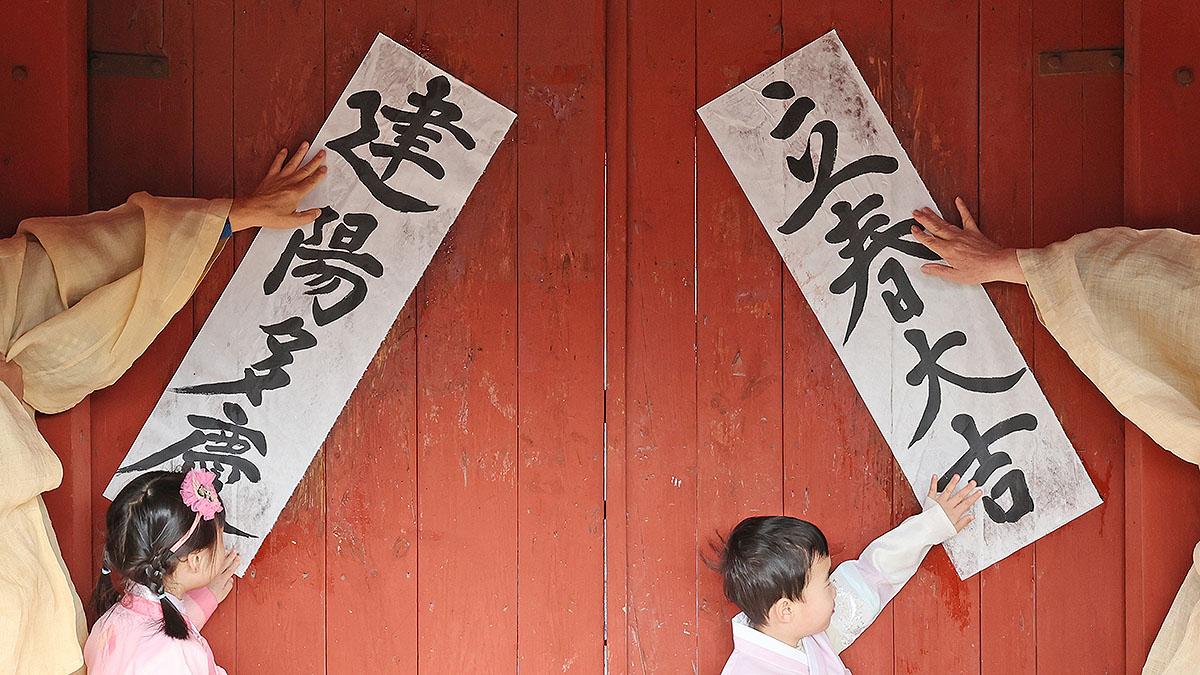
104,571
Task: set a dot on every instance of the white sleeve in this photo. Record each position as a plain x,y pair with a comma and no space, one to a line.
864,586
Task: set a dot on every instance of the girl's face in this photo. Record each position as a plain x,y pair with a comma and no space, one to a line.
198,568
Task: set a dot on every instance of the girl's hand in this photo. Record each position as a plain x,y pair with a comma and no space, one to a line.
970,257
273,204
223,583
955,504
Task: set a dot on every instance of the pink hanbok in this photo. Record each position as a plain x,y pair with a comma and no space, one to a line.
128,639
863,587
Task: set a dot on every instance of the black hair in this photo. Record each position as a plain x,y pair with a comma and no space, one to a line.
766,558
143,523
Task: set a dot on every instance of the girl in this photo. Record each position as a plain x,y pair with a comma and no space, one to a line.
165,540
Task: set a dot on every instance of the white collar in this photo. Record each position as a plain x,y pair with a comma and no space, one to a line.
742,630
143,591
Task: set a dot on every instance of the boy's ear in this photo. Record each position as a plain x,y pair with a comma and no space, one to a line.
783,611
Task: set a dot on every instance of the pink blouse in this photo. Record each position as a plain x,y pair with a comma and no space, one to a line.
128,639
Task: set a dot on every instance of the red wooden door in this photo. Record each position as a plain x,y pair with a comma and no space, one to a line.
606,363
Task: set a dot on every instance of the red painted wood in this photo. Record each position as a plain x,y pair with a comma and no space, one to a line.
936,60
69,434
371,492
616,286
1161,153
466,379
560,353
838,469
43,156
739,320
1008,611
153,155
43,171
499,333
212,176
278,101
1074,144
661,435
161,138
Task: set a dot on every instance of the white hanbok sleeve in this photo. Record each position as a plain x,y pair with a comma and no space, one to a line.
864,586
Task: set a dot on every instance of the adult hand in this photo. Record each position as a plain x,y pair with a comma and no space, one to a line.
955,504
970,257
223,583
273,204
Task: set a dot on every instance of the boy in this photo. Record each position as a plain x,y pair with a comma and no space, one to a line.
796,616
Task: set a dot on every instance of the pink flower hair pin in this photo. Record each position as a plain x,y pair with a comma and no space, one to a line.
199,495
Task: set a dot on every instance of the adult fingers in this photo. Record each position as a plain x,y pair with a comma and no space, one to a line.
309,183
294,162
968,220
277,164
305,217
945,272
961,523
934,223
933,486
307,170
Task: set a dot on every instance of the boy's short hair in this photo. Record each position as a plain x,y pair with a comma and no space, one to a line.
766,558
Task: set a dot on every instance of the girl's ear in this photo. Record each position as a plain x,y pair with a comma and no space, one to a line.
196,560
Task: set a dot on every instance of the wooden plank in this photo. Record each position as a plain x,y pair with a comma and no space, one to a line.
1068,174
560,353
616,284
154,153
935,113
1008,613
70,506
1160,154
151,151
212,177
43,156
43,171
466,379
739,320
1160,537
371,471
660,351
278,101
837,467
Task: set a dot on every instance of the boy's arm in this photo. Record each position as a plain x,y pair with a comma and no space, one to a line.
865,585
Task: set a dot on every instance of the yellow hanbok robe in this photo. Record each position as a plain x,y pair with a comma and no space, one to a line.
1125,305
80,298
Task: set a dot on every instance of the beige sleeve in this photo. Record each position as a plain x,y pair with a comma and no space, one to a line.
83,296
1125,305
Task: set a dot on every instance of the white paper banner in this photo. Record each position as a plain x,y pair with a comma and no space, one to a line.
932,360
304,314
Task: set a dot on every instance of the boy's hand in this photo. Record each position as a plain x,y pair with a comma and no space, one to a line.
956,504
221,585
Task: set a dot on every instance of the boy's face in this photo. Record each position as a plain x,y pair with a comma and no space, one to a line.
789,620
818,596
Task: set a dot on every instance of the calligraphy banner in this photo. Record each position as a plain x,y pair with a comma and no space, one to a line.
305,312
932,360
